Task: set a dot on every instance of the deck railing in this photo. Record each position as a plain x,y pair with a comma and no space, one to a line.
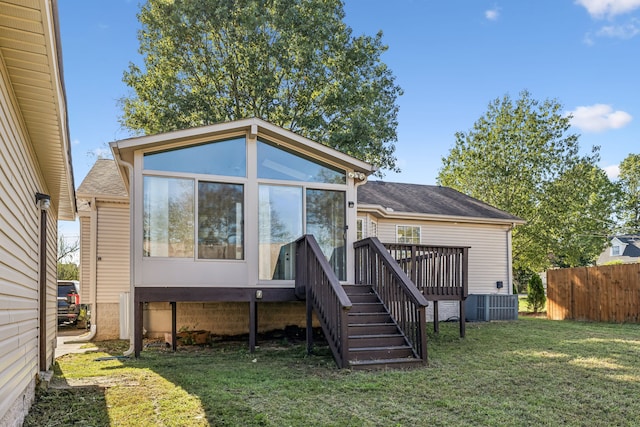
316,281
439,272
375,266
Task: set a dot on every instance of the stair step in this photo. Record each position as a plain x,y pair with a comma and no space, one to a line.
372,328
380,340
359,298
369,353
367,307
360,318
358,289
403,363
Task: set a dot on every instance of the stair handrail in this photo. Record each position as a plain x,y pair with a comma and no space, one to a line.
406,305
319,285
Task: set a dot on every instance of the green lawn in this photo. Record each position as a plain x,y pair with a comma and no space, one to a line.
529,372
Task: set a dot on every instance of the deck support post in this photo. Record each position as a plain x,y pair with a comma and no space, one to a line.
253,324
137,327
462,320
173,325
436,318
309,321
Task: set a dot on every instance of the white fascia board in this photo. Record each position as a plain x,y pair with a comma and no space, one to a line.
247,125
382,212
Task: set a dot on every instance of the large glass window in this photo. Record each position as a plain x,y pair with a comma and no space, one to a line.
227,158
220,221
280,224
326,221
168,217
277,163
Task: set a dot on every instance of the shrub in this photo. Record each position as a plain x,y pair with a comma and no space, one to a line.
614,262
535,294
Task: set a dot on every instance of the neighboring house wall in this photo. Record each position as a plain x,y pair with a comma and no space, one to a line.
112,266
104,258
33,159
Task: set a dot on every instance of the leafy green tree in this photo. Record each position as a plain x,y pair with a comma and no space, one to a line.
536,298
583,200
520,157
292,62
67,249
68,271
629,207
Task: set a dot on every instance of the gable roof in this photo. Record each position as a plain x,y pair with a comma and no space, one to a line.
103,181
253,127
631,244
392,199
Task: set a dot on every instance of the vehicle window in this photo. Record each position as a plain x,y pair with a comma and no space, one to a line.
64,290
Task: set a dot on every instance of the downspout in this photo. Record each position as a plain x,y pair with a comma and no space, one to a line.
93,268
510,256
359,179
131,348
93,280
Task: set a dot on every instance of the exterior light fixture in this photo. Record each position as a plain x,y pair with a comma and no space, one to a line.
43,201
356,175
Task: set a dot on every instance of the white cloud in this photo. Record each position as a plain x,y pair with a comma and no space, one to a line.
75,142
612,171
625,31
599,117
492,14
600,9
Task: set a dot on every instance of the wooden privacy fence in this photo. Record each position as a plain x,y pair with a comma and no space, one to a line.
609,293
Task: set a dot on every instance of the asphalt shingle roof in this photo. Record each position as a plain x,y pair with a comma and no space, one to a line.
103,180
427,199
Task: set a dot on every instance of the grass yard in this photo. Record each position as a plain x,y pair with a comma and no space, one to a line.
529,372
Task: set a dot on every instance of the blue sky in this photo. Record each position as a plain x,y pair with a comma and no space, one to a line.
451,58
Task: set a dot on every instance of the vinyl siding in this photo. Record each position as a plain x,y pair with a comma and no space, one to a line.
113,251
488,255
19,259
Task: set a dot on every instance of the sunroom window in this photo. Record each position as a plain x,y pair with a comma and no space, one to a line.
168,217
279,164
226,158
220,220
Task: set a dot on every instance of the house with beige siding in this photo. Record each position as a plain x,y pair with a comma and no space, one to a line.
392,212
440,216
36,190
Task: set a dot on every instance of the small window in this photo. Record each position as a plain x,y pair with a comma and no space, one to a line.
373,229
408,234
615,250
360,229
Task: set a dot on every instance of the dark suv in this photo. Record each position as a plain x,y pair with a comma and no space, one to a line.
68,301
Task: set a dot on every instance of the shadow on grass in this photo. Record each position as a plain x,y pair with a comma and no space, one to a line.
528,372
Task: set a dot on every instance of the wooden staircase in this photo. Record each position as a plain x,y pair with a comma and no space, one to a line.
377,324
375,341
